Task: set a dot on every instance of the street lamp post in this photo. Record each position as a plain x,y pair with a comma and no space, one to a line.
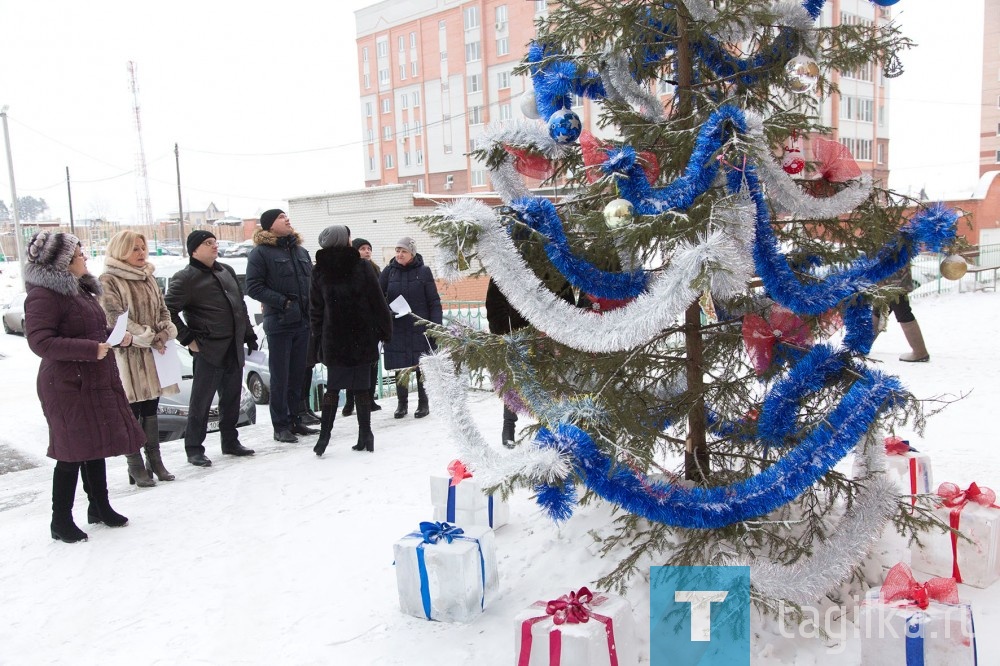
13,195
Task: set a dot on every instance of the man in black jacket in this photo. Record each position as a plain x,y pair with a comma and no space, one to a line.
279,271
215,327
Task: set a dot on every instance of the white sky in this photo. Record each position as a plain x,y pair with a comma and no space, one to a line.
262,100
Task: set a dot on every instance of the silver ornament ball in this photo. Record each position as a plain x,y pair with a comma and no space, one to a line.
803,74
618,212
528,106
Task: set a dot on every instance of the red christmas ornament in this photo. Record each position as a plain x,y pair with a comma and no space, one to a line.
792,161
530,164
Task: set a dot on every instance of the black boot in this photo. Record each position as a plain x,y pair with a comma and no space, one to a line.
509,434
63,493
326,422
402,397
373,377
95,482
366,439
306,415
348,403
423,409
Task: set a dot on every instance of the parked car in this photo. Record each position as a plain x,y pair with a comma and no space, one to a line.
240,249
173,410
257,376
13,314
225,246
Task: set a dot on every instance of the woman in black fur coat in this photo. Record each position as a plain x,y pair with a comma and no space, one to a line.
349,317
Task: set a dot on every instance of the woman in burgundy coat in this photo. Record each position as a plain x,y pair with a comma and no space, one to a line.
78,383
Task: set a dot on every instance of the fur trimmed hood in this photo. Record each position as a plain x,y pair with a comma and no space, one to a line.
61,282
127,271
265,237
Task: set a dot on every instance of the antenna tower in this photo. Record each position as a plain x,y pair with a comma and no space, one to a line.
144,208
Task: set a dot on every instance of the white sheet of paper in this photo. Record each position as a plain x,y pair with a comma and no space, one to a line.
400,306
168,365
118,332
257,356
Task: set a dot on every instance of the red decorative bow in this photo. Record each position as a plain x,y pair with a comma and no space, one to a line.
595,152
531,164
761,336
956,499
834,161
900,584
895,446
458,472
573,607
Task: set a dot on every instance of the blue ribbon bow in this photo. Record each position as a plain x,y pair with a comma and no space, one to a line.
433,532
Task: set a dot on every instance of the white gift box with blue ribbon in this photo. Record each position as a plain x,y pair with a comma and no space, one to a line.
446,573
465,504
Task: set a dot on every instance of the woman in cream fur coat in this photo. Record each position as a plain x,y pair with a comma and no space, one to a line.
129,285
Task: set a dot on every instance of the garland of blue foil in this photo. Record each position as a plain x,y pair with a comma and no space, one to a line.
707,508
541,215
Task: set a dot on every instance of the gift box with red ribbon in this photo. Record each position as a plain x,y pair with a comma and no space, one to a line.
576,629
910,468
975,513
458,499
446,573
906,622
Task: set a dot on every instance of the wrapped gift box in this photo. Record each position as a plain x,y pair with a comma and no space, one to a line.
927,631
910,468
972,512
577,629
460,500
446,573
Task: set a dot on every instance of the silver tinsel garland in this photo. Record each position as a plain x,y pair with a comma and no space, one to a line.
787,13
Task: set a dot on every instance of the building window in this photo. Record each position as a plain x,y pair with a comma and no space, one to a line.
473,84
387,132
861,149
402,71
881,153
383,77
388,161
998,129
505,112
473,144
406,158
406,129
444,55
503,80
420,185
502,46
413,40
447,149
371,162
382,48
501,14
386,105
371,135
472,53
881,115
364,54
413,69
401,43
539,6
420,156
416,98
368,81
417,127
471,17
998,157
475,115
404,101
478,178
368,109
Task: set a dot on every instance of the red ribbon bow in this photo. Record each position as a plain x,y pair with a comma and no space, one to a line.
900,584
458,472
595,153
573,607
835,162
956,499
761,336
896,446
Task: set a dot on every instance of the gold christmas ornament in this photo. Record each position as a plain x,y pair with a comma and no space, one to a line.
618,212
954,266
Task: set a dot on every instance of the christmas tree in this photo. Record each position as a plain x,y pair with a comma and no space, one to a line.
712,370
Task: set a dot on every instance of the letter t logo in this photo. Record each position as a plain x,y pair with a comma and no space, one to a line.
701,610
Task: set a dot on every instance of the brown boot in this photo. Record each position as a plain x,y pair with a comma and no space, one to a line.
151,426
137,472
919,354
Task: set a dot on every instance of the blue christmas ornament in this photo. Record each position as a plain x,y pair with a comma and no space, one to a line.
885,3
565,126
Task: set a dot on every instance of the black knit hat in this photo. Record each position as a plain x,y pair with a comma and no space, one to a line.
52,249
268,217
196,238
358,242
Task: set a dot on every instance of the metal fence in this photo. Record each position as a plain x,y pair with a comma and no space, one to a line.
926,269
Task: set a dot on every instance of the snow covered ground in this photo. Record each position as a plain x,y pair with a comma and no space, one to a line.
286,558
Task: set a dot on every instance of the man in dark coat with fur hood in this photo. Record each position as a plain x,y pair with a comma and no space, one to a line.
349,317
278,275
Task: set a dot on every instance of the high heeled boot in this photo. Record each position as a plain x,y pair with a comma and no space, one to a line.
423,408
138,475
95,483
154,462
329,414
63,493
366,439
